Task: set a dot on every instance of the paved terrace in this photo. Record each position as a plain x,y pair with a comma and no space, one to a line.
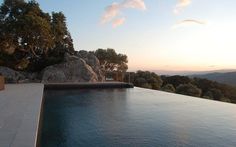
20,106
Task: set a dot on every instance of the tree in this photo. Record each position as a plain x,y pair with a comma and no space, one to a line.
29,37
141,82
189,89
168,88
208,95
216,94
176,80
111,61
61,36
147,79
25,27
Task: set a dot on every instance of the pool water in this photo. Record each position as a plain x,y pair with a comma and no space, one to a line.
134,117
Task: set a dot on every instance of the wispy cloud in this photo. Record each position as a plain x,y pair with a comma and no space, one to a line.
110,12
192,21
117,22
113,13
181,5
135,4
188,22
114,10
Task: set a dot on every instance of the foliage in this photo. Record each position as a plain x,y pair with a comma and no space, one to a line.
184,85
168,88
227,77
28,36
176,80
215,90
62,38
112,61
145,79
189,89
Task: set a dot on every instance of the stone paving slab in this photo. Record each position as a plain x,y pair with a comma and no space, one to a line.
20,106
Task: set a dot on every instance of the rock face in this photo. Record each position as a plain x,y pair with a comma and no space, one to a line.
11,76
81,67
76,68
93,62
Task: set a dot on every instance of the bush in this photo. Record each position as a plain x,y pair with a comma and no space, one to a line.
146,79
168,88
189,89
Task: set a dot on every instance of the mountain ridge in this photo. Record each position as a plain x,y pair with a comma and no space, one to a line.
190,72
225,78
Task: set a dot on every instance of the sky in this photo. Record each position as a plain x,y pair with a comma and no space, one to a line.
191,35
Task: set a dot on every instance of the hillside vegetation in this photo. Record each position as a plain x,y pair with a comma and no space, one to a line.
226,78
184,85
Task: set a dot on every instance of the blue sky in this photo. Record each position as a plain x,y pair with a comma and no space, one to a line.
155,34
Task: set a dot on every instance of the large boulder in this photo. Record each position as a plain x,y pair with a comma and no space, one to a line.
72,71
92,61
31,77
11,76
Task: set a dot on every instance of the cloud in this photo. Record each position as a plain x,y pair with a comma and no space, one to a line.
115,9
117,22
110,12
188,22
181,5
192,21
135,4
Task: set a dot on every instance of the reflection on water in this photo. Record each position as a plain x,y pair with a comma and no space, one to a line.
135,117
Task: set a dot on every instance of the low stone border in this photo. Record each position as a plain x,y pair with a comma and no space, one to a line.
88,85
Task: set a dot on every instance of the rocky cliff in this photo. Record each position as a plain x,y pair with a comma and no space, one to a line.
83,66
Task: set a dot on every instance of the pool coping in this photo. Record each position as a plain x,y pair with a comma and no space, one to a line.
20,114
84,85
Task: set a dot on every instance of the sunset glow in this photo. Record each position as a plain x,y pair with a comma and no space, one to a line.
155,34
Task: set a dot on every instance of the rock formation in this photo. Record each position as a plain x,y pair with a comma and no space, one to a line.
93,62
10,75
83,66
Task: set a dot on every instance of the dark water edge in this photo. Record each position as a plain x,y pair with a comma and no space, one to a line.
134,117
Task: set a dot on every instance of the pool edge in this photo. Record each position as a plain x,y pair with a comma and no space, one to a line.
87,85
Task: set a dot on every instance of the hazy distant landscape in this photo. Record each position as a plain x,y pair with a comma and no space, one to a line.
191,73
224,77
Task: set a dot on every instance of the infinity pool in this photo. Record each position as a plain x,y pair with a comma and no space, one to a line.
134,117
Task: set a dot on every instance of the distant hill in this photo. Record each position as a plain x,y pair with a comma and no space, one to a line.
189,72
197,87
226,78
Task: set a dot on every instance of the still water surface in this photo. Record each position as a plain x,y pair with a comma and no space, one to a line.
135,117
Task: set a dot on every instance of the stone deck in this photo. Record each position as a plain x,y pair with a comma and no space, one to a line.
20,106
